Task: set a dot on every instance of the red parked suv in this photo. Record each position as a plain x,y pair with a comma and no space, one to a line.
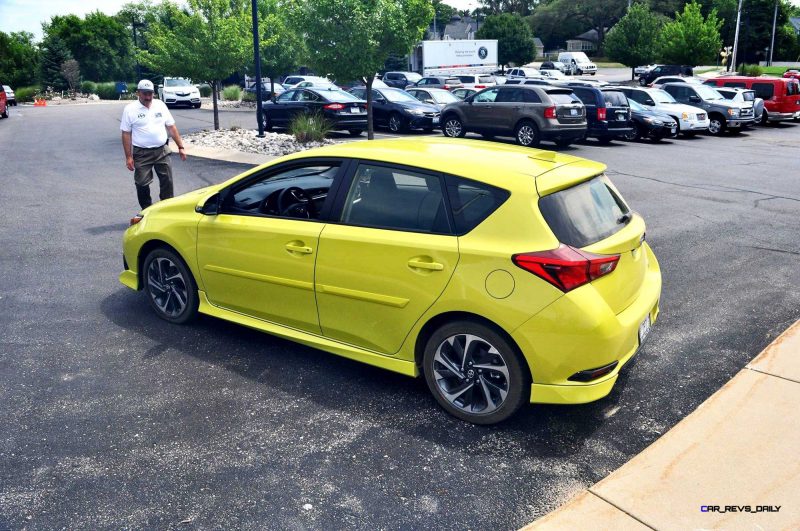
3,103
781,95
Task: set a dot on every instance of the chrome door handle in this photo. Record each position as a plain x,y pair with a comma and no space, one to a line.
301,249
430,266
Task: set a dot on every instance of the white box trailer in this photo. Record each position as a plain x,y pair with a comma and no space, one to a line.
432,58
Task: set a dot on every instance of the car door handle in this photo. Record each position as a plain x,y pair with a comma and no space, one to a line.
298,247
430,266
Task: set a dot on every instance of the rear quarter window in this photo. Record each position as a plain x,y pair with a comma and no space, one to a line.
764,91
586,213
472,202
564,98
586,96
615,99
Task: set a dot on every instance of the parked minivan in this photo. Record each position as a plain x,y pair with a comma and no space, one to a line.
781,95
530,113
578,63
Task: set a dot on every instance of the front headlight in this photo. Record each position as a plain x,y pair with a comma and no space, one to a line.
733,112
685,116
416,112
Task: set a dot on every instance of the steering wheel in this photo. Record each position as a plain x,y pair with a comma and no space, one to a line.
296,203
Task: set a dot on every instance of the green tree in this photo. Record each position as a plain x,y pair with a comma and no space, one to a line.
208,42
514,38
691,39
19,58
443,13
552,27
599,15
101,45
54,53
635,38
352,39
282,47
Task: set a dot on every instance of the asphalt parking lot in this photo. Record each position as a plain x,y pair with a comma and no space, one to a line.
113,418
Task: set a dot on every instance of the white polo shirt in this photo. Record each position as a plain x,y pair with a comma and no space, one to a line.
148,127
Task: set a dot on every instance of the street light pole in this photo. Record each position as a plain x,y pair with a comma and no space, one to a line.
772,43
257,54
736,36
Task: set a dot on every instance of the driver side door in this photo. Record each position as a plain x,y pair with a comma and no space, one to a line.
257,257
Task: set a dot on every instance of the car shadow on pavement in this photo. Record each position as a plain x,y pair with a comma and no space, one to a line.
379,397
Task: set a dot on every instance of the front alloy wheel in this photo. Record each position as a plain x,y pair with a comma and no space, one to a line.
474,373
396,124
527,134
716,126
453,127
170,287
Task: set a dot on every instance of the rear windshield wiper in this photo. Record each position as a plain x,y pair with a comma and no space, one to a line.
624,218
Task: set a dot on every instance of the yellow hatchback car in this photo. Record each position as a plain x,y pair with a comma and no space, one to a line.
503,274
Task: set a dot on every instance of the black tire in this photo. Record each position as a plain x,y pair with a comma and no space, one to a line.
717,125
527,134
764,119
428,130
169,286
196,105
4,113
396,123
605,140
642,82
453,127
634,135
502,371
355,132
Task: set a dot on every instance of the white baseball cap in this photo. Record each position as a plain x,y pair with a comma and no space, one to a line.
145,85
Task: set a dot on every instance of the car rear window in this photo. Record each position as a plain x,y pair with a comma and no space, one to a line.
562,98
339,96
586,213
793,89
614,98
485,79
472,201
764,91
451,80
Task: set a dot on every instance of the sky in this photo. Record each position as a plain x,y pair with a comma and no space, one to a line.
28,15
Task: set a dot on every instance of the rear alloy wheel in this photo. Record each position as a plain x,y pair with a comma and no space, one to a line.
474,373
633,135
716,125
527,134
169,285
396,123
453,127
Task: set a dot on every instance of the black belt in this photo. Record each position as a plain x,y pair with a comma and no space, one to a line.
157,147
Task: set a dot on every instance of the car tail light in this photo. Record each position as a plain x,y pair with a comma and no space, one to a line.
550,112
601,113
447,87
480,86
136,219
333,107
566,268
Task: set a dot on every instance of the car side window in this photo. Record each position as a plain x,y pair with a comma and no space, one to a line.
307,96
509,95
396,198
391,77
585,95
287,96
472,202
487,96
765,91
529,96
360,93
299,191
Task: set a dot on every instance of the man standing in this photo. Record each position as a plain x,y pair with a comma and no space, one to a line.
144,125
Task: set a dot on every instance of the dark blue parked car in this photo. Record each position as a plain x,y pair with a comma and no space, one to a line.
608,114
398,110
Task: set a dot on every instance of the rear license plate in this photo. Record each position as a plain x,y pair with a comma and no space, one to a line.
355,110
435,120
644,329
573,112
621,116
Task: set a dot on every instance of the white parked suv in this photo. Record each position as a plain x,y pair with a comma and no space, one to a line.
691,120
523,73
179,91
578,63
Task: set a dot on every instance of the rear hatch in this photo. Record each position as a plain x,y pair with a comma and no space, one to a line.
569,109
593,217
618,112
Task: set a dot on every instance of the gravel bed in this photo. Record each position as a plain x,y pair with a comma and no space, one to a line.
246,140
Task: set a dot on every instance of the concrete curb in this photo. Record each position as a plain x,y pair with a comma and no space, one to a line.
731,464
228,155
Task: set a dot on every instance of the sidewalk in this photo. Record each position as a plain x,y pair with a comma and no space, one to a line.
740,448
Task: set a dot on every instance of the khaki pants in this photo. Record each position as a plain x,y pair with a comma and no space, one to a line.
145,160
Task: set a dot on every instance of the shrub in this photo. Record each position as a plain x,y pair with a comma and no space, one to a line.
89,87
309,127
205,90
107,90
26,94
750,70
232,93
249,96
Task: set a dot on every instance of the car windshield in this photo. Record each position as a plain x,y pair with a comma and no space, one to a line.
635,106
580,57
556,74
398,95
412,77
176,83
338,96
708,93
442,96
662,96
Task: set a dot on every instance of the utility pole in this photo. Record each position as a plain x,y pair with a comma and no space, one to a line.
772,43
736,36
257,53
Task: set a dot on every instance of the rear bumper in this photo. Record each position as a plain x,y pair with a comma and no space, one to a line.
423,122
579,332
179,100
355,123
608,132
573,133
781,116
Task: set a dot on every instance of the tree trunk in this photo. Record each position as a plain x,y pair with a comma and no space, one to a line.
370,131
214,85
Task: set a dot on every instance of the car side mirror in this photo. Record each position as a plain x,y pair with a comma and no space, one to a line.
429,100
210,207
650,103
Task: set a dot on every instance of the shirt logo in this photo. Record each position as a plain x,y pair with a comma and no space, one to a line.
140,115
158,115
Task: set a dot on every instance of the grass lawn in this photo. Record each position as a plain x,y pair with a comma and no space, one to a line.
776,70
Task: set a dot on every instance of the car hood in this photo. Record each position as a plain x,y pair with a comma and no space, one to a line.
658,115
422,106
679,107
